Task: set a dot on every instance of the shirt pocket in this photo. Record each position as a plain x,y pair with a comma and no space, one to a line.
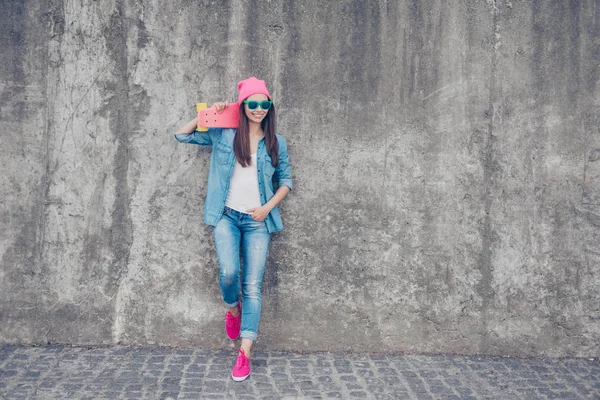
223,153
268,166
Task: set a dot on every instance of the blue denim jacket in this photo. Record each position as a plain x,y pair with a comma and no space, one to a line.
222,162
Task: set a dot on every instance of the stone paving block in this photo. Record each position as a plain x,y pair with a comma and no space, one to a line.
215,386
214,374
289,394
419,389
258,370
344,369
362,372
7,373
47,383
320,362
353,386
155,366
298,363
17,395
180,359
391,381
341,362
259,378
325,379
425,396
174,368
387,371
440,390
348,378
383,396
190,396
307,385
312,394
449,397
299,373
373,389
195,367
133,395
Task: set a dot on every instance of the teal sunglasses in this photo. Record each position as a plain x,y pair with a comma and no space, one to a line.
252,104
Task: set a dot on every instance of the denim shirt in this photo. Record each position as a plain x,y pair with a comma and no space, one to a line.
222,161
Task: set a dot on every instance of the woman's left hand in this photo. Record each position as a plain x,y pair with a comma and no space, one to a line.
259,213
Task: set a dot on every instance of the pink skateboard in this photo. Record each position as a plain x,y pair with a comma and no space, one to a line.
210,118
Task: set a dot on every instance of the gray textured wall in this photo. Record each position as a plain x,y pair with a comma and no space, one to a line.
446,158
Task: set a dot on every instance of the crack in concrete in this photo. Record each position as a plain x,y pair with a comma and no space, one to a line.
485,265
121,238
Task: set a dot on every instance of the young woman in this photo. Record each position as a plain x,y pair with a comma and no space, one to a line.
241,205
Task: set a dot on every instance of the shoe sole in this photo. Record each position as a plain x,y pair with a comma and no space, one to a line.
240,378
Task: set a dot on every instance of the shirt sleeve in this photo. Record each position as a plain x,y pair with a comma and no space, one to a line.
283,173
201,138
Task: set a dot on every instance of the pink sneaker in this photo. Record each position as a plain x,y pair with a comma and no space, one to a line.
241,369
233,324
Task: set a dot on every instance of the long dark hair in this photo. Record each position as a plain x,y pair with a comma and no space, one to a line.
241,141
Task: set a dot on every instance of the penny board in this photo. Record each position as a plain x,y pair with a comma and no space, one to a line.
210,118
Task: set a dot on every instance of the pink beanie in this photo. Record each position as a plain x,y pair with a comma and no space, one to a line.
251,86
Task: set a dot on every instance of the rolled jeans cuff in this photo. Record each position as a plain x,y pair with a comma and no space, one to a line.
232,305
248,335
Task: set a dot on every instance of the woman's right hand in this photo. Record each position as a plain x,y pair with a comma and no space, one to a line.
220,106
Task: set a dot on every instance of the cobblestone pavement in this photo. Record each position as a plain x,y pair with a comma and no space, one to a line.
163,373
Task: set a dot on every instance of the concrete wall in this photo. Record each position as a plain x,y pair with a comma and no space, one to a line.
446,160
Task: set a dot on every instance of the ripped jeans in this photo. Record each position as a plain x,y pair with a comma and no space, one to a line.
235,231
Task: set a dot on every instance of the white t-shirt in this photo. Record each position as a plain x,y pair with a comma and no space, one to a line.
243,188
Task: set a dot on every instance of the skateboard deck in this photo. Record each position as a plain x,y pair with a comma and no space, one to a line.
210,118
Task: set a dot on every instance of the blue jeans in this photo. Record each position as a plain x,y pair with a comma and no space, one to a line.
237,231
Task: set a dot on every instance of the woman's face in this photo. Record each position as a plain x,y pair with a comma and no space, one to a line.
258,114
